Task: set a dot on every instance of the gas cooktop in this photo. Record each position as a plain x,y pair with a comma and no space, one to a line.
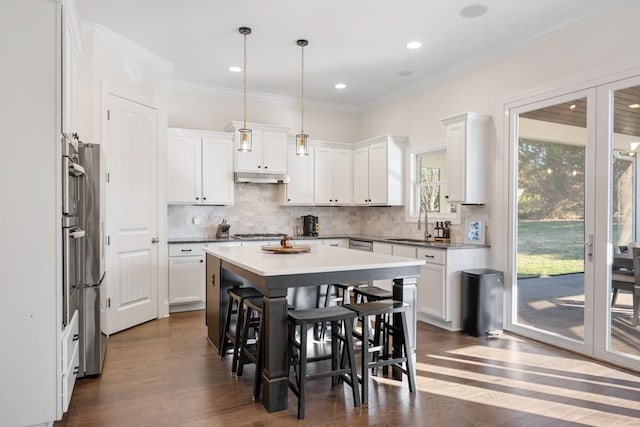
259,236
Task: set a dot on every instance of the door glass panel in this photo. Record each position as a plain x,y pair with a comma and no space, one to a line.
550,262
624,332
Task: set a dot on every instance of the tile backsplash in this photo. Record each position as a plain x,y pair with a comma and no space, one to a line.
258,209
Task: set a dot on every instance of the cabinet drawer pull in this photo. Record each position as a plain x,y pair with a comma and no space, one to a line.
429,256
185,250
333,244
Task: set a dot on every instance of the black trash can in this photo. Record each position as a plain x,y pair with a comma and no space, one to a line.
482,302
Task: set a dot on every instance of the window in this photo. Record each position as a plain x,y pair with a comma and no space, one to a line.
624,198
429,185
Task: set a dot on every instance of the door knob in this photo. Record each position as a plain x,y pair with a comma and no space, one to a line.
154,240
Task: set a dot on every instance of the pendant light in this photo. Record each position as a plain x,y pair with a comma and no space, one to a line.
245,133
301,138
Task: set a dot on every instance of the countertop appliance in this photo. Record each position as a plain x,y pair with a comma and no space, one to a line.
310,225
72,231
93,341
361,245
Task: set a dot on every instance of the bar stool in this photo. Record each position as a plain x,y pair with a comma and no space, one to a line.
237,296
252,351
381,309
371,293
336,294
339,317
374,293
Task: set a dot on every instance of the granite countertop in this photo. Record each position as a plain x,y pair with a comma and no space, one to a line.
382,239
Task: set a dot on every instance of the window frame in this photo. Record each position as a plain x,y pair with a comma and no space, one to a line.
413,178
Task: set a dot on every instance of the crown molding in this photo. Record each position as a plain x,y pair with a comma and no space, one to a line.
105,35
259,96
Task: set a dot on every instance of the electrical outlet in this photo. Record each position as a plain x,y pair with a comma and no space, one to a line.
196,220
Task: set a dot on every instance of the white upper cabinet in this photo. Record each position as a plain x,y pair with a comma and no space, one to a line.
333,176
299,190
71,48
378,172
467,136
199,167
269,152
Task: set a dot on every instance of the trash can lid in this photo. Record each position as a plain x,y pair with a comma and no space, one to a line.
481,272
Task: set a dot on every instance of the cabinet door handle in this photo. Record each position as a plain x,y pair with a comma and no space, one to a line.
204,198
259,167
446,197
288,200
201,261
197,198
266,167
213,279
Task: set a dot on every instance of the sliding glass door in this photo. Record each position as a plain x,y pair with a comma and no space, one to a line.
553,148
619,132
575,221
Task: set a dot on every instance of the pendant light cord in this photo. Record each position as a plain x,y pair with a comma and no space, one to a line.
302,92
244,84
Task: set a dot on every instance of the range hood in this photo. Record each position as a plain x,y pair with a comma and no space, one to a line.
262,178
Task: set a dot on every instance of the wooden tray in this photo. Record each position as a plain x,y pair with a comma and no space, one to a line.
278,249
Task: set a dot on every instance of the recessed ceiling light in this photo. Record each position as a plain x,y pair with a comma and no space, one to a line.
340,86
405,73
235,69
572,106
634,106
473,11
414,45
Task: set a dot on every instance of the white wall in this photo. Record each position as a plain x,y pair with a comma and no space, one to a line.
197,107
599,48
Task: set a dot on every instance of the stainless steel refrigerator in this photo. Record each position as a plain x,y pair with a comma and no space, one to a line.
93,340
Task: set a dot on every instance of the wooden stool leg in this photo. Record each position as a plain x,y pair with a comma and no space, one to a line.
365,359
302,371
227,322
236,347
411,373
348,345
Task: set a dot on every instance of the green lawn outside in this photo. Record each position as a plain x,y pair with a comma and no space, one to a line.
547,248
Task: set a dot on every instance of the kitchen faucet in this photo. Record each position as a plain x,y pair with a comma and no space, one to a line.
423,207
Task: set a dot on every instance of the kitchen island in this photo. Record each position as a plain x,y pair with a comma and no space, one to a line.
276,274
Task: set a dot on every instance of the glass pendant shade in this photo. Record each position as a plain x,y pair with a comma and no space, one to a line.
245,140
301,144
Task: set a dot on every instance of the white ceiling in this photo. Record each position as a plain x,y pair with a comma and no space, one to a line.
357,42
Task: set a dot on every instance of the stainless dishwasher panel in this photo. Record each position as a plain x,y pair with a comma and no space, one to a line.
361,245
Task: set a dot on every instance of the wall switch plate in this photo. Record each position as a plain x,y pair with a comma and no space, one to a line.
196,220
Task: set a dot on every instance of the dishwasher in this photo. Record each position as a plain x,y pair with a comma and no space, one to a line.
361,245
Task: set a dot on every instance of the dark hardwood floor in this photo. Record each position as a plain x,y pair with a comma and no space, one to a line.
164,373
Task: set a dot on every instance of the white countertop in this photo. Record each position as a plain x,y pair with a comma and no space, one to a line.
321,259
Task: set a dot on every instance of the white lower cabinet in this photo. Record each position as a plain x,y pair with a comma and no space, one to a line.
70,359
439,296
187,275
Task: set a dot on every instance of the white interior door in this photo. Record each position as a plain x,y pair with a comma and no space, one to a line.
132,212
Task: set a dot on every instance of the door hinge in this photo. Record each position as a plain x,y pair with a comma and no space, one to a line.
108,177
108,240
108,114
108,302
